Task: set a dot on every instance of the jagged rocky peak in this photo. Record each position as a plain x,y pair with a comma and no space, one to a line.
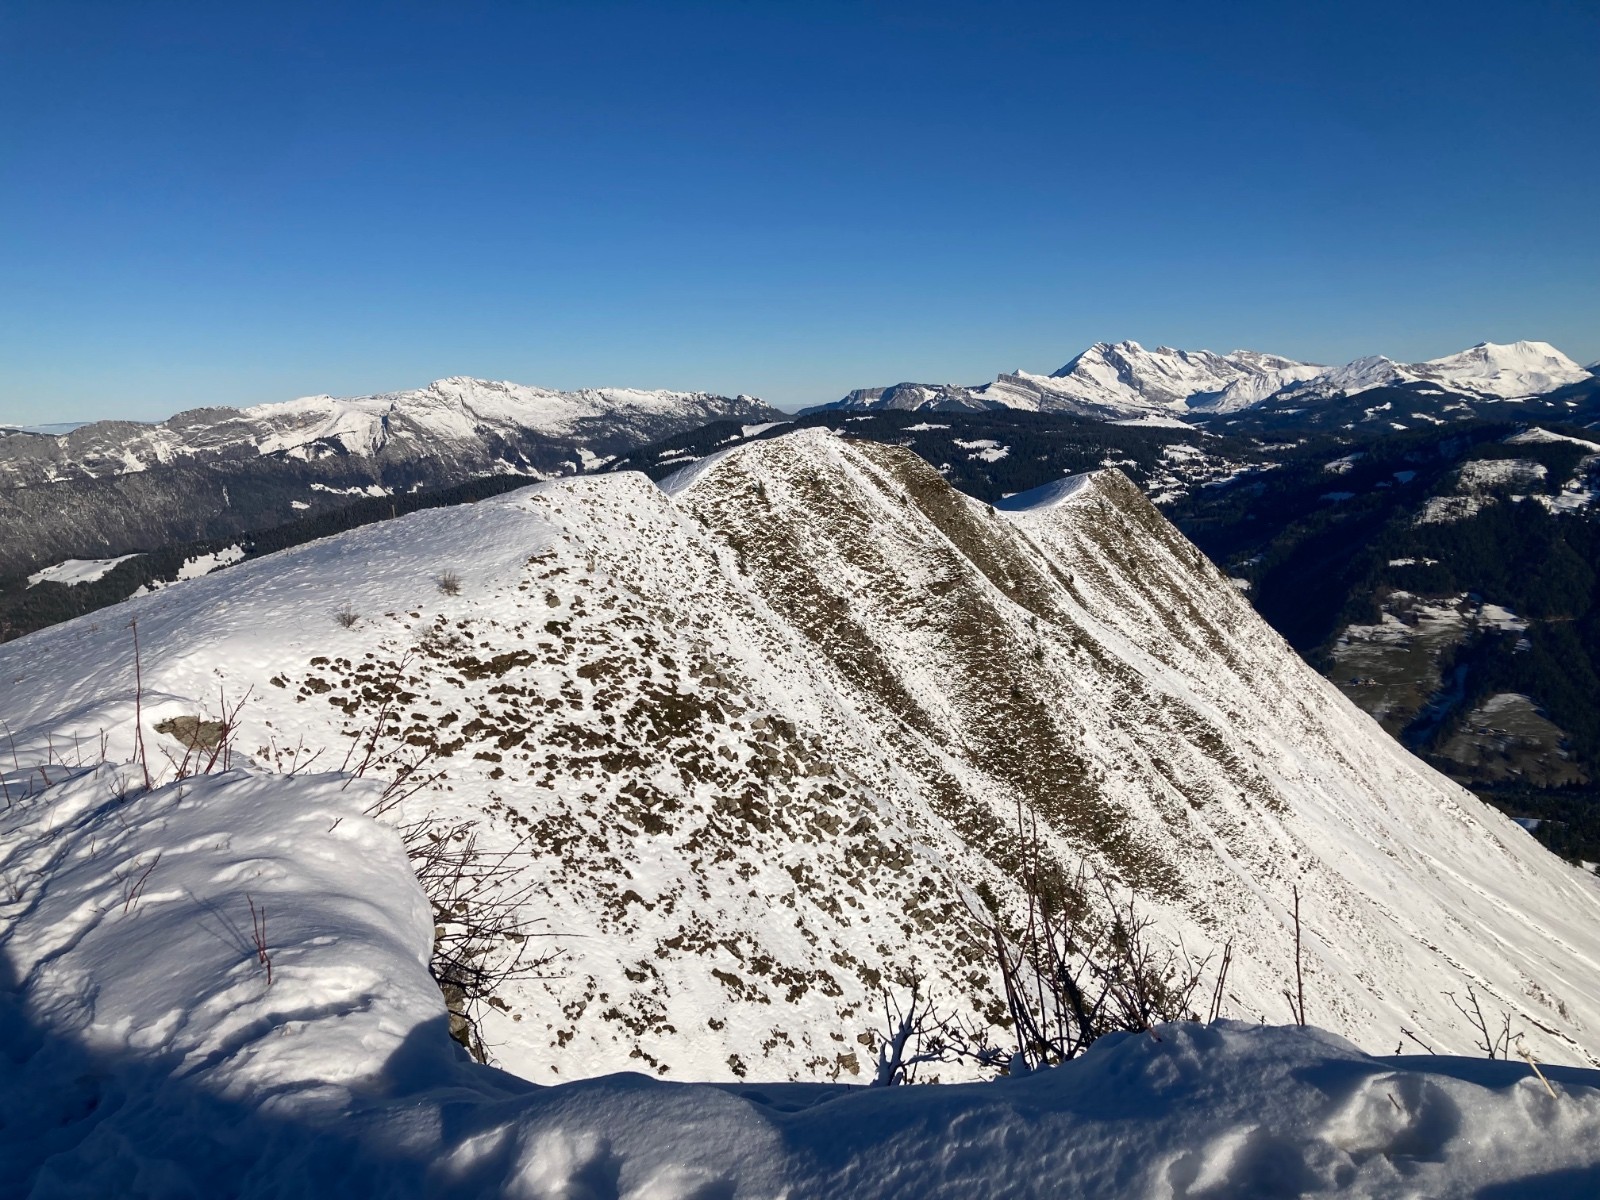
1124,378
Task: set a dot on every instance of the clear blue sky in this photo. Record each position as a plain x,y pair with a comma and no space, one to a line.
227,203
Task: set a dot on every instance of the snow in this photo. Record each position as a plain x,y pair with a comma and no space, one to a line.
149,1053
923,427
1154,421
762,718
984,449
1126,378
1128,384
454,417
1537,436
1481,474
723,648
684,477
204,564
1444,510
76,570
371,489
1413,562
1512,372
1497,617
1487,370
757,430
1048,496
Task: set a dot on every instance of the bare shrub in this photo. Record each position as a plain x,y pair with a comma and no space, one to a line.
449,583
916,1033
481,931
346,617
1082,961
258,935
1495,1040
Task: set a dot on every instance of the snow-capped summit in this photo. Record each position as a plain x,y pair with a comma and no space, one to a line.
1111,381
449,418
1122,380
1513,371
1126,375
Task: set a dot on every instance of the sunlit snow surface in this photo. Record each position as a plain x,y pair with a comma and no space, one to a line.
147,1054
76,570
763,730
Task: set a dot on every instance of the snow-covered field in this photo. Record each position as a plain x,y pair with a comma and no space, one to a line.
77,570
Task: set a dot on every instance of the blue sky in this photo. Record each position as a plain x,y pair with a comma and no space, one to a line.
228,204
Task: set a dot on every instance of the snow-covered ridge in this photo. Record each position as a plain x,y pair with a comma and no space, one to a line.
1126,375
767,731
455,417
1515,371
1124,380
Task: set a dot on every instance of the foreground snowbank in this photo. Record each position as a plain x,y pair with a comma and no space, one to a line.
146,1052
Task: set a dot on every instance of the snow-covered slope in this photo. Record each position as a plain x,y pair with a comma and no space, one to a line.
1108,381
759,738
150,1051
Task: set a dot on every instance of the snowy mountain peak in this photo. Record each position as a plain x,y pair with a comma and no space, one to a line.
1511,371
1127,379
1492,371
452,416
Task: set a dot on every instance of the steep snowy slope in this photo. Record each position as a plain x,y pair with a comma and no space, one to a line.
762,732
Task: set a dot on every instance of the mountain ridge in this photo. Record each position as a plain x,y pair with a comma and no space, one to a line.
1109,381
115,487
765,729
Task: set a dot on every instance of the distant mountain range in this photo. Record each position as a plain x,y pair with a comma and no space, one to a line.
1126,382
111,487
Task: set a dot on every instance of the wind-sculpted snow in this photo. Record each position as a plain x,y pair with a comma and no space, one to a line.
219,987
759,746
